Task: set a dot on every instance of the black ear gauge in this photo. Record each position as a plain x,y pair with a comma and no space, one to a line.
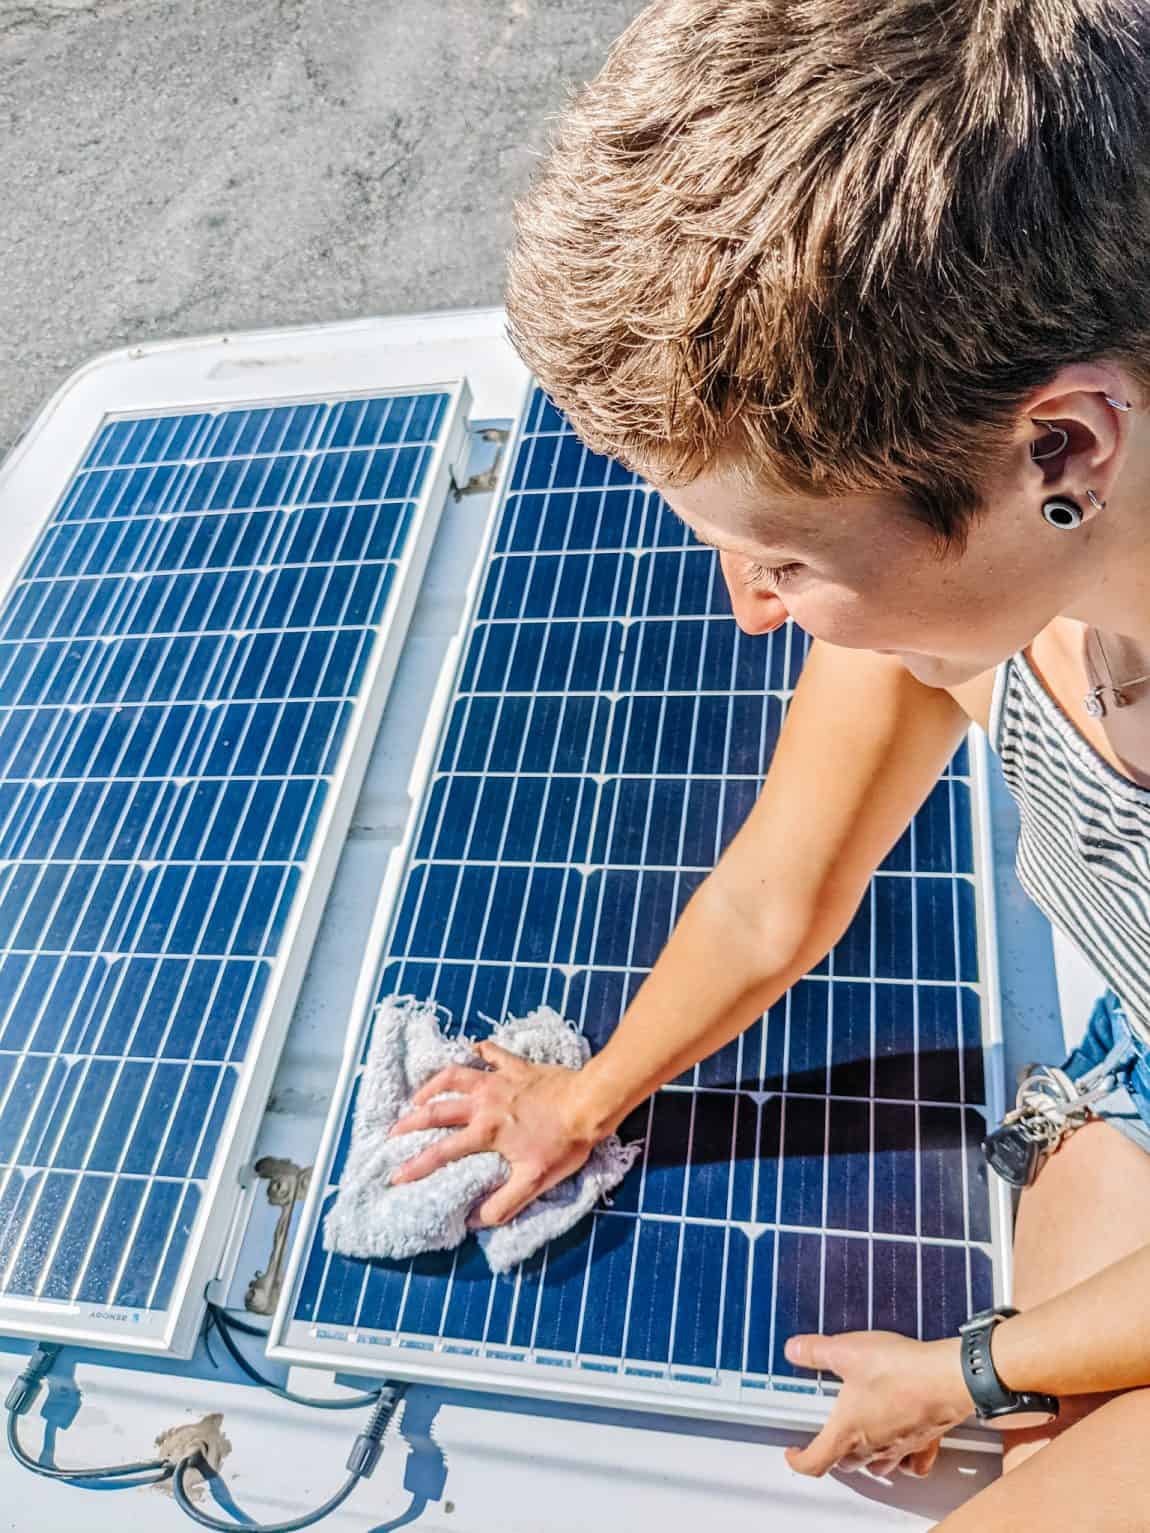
1062,513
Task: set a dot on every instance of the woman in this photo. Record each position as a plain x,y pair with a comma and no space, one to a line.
864,290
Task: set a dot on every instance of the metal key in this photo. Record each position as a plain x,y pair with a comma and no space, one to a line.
1017,1150
1050,1106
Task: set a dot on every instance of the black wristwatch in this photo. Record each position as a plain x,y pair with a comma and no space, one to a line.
993,1402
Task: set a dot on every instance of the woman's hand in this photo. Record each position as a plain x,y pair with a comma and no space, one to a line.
898,1398
534,1115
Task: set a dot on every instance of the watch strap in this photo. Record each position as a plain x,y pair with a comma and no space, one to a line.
990,1395
986,1389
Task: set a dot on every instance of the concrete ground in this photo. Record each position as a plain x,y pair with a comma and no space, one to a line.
173,167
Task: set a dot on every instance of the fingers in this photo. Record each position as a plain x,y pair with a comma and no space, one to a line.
818,1352
827,1449
441,1153
499,1058
466,1078
884,1464
517,1191
846,1452
444,1112
921,1463
454,1078
917,1464
836,1443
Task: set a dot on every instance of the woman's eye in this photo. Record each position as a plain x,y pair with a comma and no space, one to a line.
769,576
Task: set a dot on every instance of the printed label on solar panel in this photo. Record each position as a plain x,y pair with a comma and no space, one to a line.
609,731
188,662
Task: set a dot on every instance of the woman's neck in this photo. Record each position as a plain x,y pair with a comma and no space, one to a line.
1117,602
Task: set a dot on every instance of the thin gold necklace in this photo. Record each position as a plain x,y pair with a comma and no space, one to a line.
1094,701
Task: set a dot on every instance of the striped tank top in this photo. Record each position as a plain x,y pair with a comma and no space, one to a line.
1084,838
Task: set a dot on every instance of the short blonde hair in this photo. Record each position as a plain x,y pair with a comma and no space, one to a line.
844,237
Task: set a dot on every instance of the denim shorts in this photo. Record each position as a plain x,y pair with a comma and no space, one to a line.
1111,1051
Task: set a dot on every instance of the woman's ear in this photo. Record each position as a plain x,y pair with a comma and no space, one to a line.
1060,446
1078,427
1050,448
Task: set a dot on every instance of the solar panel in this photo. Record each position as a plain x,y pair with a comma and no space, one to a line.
608,732
193,661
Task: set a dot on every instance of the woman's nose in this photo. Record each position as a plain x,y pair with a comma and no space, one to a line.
756,612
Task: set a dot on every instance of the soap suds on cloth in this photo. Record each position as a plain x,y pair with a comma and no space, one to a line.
372,1218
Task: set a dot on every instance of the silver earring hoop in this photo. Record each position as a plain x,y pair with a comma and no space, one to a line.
1099,505
1061,513
1041,457
1116,404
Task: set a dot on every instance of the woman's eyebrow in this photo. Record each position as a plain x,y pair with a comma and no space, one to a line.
698,536
717,547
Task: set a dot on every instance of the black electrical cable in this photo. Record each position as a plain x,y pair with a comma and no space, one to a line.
364,1456
205,1519
155,1469
215,1310
19,1402
361,1463
225,1323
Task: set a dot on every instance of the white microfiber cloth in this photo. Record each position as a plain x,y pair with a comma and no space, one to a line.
372,1218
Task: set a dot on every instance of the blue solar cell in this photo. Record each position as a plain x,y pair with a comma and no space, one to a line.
179,663
939,839
609,732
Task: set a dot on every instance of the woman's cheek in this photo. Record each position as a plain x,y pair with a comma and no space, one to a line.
842,621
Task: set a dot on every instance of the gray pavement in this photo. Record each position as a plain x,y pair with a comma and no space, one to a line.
175,167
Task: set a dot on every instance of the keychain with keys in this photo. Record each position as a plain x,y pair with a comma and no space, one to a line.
1019,1147
1049,1106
